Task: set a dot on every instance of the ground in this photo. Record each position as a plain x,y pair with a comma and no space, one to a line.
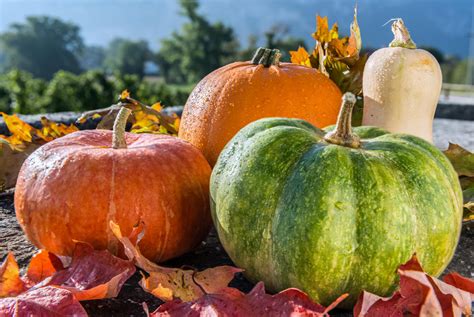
209,254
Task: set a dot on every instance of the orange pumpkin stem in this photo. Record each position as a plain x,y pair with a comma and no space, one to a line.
343,135
120,123
266,57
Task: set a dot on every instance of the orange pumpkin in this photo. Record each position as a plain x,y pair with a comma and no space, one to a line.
231,97
71,188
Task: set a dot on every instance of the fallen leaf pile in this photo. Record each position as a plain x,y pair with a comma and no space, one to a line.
463,162
21,142
51,287
45,301
338,58
232,302
145,119
48,287
206,293
420,295
23,134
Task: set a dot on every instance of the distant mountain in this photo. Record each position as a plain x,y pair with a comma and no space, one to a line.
444,24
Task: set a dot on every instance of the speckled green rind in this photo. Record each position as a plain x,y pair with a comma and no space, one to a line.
295,211
364,132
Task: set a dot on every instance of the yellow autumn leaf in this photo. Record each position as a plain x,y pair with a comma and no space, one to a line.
17,127
300,57
125,94
15,143
336,57
157,106
52,130
176,123
322,33
145,119
22,133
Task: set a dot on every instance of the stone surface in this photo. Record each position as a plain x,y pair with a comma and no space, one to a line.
454,131
460,113
209,254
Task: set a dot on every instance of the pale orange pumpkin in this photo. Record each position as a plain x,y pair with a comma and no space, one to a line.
72,187
231,97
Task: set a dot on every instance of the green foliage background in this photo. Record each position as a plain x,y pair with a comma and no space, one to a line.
46,67
21,93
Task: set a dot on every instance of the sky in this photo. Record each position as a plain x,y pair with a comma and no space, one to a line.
445,24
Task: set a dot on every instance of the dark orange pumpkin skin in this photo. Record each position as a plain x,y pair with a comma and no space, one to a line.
232,96
71,188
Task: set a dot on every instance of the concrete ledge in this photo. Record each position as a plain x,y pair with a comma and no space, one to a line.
455,111
444,111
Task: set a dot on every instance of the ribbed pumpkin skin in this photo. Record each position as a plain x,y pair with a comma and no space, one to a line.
231,97
70,188
295,211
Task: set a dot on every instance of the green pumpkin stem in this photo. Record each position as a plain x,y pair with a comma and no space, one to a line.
266,57
120,123
342,134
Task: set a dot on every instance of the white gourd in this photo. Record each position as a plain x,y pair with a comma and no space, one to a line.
401,87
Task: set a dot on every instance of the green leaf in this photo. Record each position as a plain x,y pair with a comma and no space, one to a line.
462,160
467,184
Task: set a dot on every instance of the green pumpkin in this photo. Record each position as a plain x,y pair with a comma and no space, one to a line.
332,213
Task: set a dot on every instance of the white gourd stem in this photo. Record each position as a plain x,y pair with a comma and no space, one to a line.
120,123
342,134
401,35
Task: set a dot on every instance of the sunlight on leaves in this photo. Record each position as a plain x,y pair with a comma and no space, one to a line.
336,57
23,134
125,94
144,118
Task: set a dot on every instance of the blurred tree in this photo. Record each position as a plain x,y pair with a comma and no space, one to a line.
197,49
127,81
20,92
278,37
150,92
62,93
458,72
92,57
5,100
435,52
2,61
367,50
127,57
68,92
447,68
247,53
96,91
42,46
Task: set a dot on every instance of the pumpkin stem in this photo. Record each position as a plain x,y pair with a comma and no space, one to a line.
402,37
343,135
118,136
266,57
